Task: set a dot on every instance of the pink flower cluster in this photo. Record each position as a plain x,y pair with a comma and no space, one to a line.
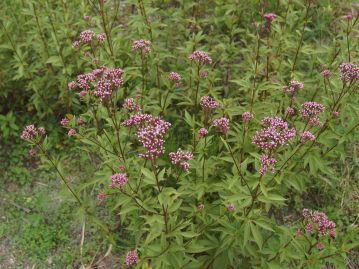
72,132
231,207
118,180
104,80
290,111
180,158
87,36
310,112
267,163
222,125
130,105
32,152
142,46
276,133
150,132
72,85
269,17
348,72
131,258
101,37
175,77
293,87
31,132
203,132
318,221
64,121
247,116
326,73
201,57
101,196
208,104
307,136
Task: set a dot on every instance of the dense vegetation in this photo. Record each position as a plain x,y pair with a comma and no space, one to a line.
179,134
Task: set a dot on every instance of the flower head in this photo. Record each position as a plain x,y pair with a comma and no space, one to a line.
201,57
222,125
310,112
326,73
307,136
348,72
72,132
267,163
118,180
200,206
208,104
30,132
203,132
269,17
101,196
87,36
64,121
131,258
130,105
247,116
231,207
72,85
319,222
101,37
76,44
290,111
293,87
32,152
175,77
142,45
180,158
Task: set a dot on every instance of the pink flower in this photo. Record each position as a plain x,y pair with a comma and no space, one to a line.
208,104
150,132
101,37
118,180
72,85
32,152
87,36
122,168
276,133
298,232
30,132
76,44
203,132
101,196
83,94
200,206
203,74
335,114
175,77
222,125
320,220
131,258
72,132
80,121
64,122
290,111
180,158
309,228
142,46
87,18
320,246
293,87
247,116
348,72
326,73
307,136
349,17
266,163
130,105
269,17
41,130
231,207
310,112
201,57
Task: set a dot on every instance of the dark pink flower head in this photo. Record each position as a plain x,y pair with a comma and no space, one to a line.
348,72
307,136
118,180
201,57
142,45
175,77
82,94
203,132
180,158
101,196
87,36
269,17
131,258
276,133
150,132
222,125
290,111
208,104
130,105
310,111
320,246
41,130
326,73
72,132
336,114
101,37
247,116
64,122
122,168
203,73
32,152
76,44
293,87
349,16
72,85
30,132
267,163
231,207
319,222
